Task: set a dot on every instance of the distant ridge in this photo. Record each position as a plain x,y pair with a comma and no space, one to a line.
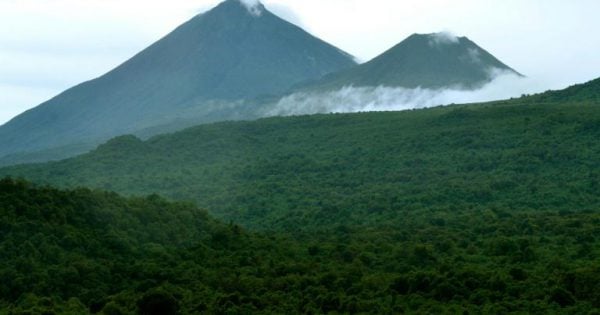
437,60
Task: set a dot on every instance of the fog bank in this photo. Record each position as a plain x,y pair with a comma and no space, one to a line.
362,99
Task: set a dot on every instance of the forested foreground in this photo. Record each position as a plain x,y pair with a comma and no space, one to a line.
83,251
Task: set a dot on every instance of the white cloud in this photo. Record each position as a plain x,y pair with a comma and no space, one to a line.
362,99
254,6
474,55
443,38
250,3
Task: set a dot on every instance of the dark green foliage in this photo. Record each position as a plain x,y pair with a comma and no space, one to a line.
64,244
72,252
157,303
562,297
223,55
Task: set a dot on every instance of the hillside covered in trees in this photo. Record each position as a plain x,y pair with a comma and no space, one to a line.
82,251
484,208
312,172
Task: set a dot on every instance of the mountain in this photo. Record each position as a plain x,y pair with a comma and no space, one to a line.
313,171
437,60
201,70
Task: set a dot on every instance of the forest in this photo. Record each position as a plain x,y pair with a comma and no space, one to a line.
472,209
80,251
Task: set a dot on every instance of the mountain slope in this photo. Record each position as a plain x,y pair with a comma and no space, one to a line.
311,172
436,60
223,55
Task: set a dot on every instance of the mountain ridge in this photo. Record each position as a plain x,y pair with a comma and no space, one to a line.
224,54
434,61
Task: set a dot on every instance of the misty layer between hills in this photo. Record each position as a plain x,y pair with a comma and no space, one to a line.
350,99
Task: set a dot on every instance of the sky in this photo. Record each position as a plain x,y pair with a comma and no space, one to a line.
47,46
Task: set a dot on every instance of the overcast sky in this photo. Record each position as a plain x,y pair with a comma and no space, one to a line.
47,46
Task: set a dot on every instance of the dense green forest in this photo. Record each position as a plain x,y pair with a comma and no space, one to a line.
467,209
79,251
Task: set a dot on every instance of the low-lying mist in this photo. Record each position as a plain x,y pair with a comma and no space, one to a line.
362,99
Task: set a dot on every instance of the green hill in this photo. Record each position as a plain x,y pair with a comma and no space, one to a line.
200,70
310,172
432,61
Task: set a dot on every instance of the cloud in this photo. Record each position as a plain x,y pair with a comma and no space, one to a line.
250,3
474,55
254,6
443,38
363,99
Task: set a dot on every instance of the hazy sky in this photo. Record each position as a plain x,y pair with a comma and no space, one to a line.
47,46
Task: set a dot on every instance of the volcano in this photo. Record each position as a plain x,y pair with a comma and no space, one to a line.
233,52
